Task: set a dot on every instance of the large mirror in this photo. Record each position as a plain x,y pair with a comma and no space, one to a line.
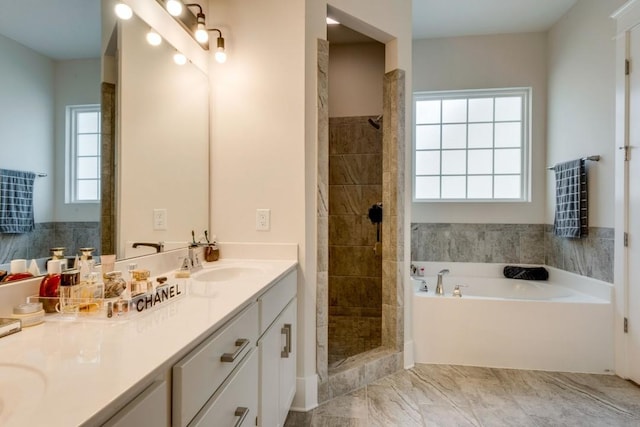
52,60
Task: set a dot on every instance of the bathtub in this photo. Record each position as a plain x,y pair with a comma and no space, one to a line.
564,324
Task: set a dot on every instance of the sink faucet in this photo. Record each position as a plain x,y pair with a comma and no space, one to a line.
439,288
159,247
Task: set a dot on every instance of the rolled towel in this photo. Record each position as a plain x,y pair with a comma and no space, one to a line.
525,273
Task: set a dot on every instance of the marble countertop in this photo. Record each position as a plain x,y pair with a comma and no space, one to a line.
62,373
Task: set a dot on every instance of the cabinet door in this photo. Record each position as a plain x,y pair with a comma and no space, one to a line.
149,408
278,368
236,402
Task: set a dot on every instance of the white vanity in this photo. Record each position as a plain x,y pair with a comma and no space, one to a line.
223,354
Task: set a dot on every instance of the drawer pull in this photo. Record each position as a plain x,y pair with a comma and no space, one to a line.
242,413
286,331
241,343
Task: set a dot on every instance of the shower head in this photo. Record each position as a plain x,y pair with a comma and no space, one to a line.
376,122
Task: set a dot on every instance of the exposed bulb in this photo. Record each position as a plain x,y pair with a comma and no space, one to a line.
153,38
123,11
179,59
202,35
174,7
221,56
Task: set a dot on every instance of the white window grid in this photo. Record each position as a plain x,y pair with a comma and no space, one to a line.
72,178
524,93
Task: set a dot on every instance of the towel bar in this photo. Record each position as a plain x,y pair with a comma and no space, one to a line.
591,158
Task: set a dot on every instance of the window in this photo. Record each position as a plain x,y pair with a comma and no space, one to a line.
83,154
471,145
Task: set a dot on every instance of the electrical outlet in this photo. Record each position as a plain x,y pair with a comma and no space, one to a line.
159,219
263,219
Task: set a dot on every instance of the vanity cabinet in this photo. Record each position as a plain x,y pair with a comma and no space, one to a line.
149,408
277,351
198,376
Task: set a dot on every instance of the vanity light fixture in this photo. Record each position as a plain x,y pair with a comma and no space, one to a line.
153,38
123,11
331,21
179,58
200,33
174,7
220,55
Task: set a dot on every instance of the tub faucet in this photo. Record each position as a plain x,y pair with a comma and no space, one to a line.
439,288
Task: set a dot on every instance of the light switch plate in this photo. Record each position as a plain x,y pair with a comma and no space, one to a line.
160,219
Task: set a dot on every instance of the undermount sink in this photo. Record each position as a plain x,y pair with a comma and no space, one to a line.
22,388
224,274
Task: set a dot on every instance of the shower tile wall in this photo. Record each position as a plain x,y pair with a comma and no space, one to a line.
515,243
355,271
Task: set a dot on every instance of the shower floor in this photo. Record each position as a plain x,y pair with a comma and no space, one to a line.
352,335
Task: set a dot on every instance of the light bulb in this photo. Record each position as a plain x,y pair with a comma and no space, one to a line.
179,59
221,56
153,38
174,7
202,35
123,11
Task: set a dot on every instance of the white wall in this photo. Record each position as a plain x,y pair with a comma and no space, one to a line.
482,62
76,82
356,73
26,120
581,101
264,130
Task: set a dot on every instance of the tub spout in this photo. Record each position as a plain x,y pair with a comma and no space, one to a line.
439,288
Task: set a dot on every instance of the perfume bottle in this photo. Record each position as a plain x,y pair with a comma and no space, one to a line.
49,287
68,292
141,283
114,285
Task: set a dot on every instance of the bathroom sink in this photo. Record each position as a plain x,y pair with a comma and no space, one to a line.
224,274
21,391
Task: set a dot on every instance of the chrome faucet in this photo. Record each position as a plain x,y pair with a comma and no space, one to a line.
439,288
159,247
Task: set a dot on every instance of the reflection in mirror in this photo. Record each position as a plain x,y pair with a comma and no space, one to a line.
46,69
162,144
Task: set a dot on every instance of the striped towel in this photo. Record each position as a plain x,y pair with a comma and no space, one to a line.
16,201
572,214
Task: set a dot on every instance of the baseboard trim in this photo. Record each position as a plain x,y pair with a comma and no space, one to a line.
306,397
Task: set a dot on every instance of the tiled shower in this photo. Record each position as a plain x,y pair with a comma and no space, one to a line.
355,269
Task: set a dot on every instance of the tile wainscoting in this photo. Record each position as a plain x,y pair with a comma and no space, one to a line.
515,243
36,244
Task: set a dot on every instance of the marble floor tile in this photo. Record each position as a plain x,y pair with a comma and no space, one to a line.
446,395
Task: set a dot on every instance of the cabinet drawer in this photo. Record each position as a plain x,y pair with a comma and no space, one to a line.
276,299
236,402
149,408
199,374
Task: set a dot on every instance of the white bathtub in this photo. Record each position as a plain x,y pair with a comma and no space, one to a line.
564,324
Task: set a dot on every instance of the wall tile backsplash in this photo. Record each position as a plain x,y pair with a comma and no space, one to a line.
517,244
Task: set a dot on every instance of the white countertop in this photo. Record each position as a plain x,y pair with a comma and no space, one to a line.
62,373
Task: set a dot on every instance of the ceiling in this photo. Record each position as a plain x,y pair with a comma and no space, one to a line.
59,29
452,18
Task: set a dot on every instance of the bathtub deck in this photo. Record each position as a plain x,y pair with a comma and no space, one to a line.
446,395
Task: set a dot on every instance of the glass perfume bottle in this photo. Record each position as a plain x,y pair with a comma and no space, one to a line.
49,287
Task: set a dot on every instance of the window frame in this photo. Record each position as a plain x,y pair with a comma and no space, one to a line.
525,167
71,159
